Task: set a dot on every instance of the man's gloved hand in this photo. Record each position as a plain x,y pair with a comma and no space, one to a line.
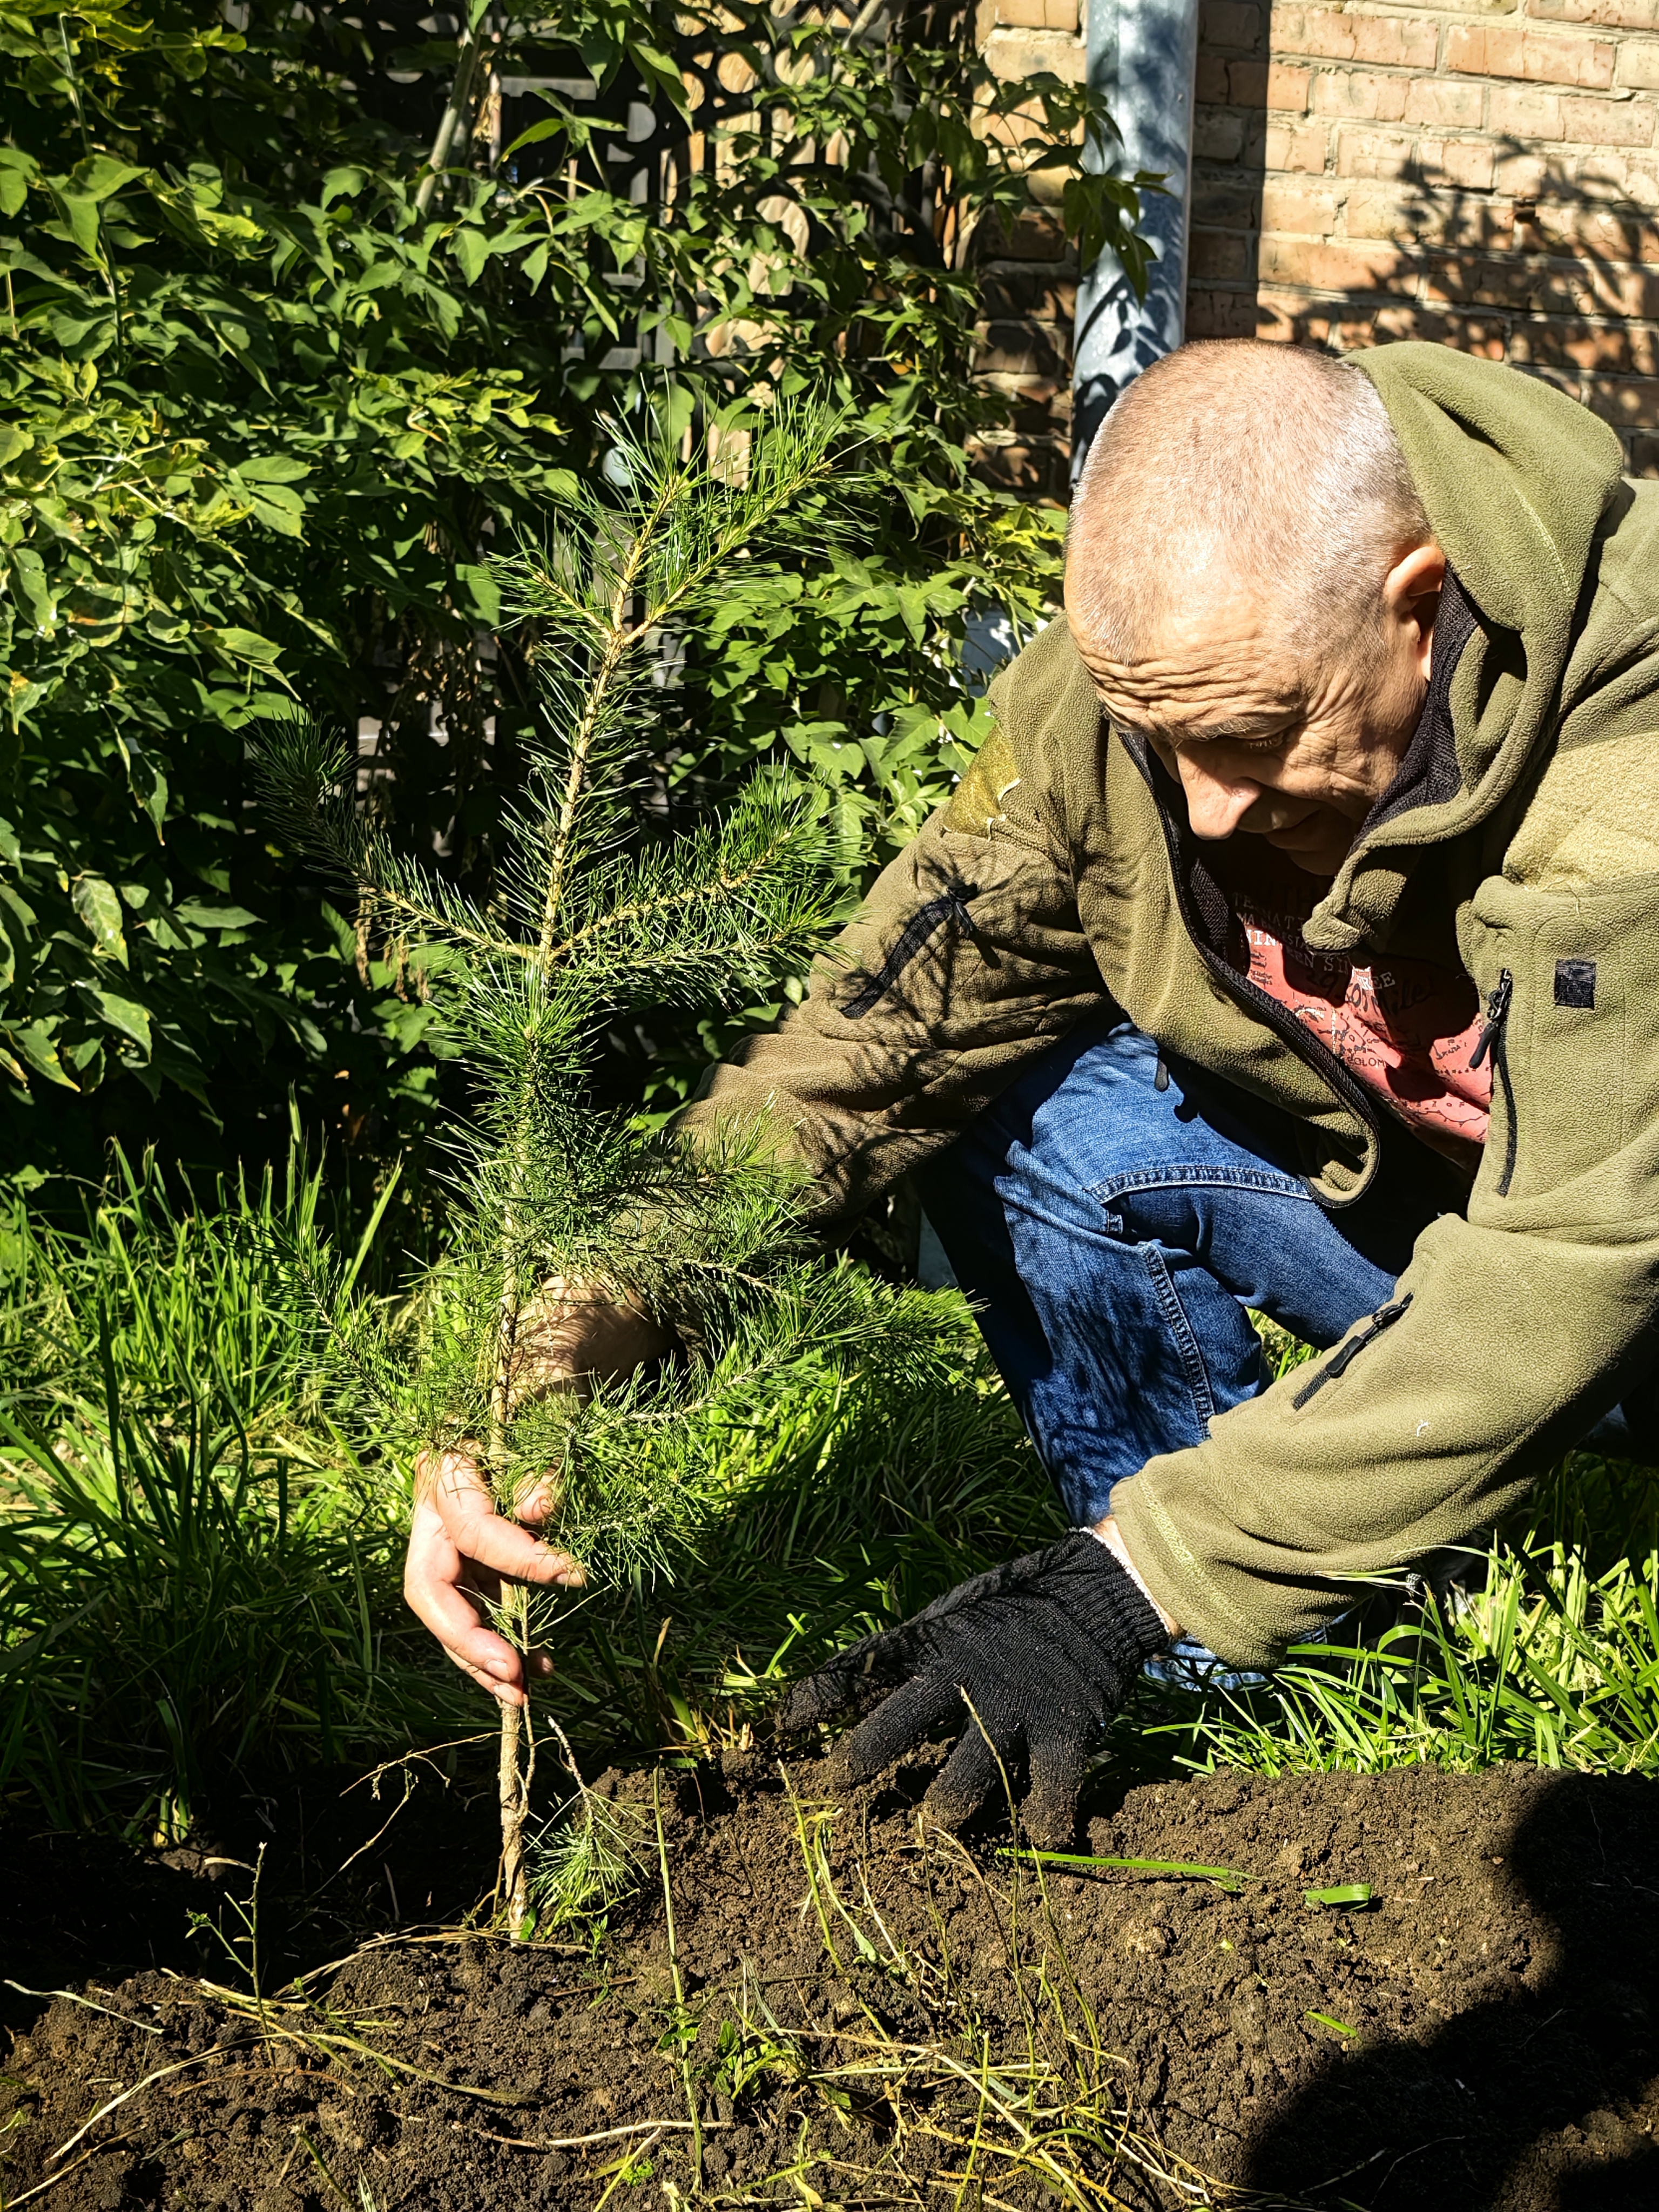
1046,1649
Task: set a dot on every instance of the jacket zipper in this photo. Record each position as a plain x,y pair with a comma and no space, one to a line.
1282,1022
1384,1317
1494,1046
921,926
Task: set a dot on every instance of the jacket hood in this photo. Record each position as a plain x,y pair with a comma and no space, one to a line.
1519,483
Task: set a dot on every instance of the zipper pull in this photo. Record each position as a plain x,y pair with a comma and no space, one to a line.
1498,1012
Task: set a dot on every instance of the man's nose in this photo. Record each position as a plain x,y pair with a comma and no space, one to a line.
1215,804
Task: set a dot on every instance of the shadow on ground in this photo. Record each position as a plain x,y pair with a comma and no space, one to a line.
1531,2097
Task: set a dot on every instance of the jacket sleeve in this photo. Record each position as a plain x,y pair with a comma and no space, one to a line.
966,961
1511,1332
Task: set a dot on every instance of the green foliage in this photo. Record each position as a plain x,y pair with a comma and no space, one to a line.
194,1571
269,399
198,1575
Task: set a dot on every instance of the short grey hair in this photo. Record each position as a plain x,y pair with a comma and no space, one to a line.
1270,469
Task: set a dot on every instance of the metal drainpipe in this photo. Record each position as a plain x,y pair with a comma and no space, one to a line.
1143,58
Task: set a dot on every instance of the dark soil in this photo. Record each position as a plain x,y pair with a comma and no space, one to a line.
1488,2037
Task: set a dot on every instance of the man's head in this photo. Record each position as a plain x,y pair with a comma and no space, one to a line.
1252,581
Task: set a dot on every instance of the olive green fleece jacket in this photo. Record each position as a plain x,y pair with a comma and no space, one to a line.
1052,887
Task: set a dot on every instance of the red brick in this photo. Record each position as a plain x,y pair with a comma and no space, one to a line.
1268,84
1030,470
1016,349
1525,175
1365,98
1518,114
1466,162
1483,281
1292,319
1372,154
1218,254
1299,147
1609,349
1210,83
1606,14
1437,100
1218,135
1221,314
1333,36
1298,208
1477,334
1630,403
1384,211
1226,203
1337,266
1574,289
1033,237
1498,50
1404,319
1602,234
1638,64
1607,122
1222,23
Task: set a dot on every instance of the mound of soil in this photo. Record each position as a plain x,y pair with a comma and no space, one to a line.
869,2014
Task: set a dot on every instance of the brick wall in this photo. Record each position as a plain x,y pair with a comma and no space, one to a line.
1028,276
1484,176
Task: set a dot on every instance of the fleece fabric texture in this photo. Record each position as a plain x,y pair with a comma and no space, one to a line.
1051,888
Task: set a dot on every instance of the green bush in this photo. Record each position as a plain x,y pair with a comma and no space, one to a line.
273,391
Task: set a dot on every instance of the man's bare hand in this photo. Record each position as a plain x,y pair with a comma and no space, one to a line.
461,1550
574,1334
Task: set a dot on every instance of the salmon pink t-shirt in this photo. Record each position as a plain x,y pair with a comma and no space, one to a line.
1407,1028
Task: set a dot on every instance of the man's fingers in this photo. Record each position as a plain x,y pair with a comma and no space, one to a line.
1049,1813
924,1708
457,1492
432,1592
534,1502
967,1779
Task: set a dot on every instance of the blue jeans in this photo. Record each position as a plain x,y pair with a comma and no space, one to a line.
1114,1234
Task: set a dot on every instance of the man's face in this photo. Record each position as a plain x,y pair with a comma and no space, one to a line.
1296,753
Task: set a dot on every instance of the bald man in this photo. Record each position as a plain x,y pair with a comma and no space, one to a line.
1293,945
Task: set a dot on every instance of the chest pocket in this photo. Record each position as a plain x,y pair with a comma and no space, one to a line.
1569,984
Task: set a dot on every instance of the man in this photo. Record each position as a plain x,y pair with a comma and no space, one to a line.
1294,945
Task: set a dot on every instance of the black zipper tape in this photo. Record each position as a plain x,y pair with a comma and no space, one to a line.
921,926
1494,1046
1343,1359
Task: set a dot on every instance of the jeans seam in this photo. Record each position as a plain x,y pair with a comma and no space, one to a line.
1186,1343
1198,1177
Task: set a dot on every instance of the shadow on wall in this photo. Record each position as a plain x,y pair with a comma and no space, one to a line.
1517,2104
1551,282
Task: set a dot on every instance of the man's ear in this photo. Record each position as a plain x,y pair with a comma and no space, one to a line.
1411,594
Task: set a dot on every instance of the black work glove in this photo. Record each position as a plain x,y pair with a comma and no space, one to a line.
1046,1649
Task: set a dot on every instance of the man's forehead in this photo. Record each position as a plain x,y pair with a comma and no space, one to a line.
1217,687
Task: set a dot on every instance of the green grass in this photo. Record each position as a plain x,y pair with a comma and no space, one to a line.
199,1568
199,1565
196,1572
1542,1646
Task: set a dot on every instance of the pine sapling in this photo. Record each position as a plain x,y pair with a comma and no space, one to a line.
587,919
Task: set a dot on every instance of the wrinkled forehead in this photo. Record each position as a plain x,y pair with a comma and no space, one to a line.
1214,679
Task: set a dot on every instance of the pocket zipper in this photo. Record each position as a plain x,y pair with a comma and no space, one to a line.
1493,1046
1384,1317
915,933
